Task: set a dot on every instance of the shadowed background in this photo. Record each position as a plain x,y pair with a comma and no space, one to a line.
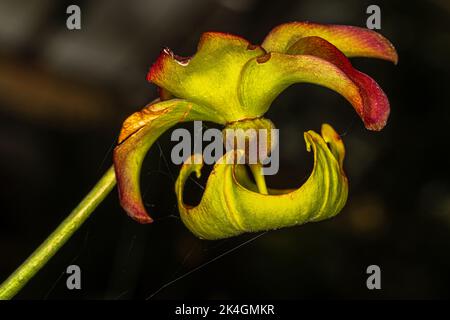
64,95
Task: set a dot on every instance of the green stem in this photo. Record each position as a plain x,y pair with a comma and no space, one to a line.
259,178
56,240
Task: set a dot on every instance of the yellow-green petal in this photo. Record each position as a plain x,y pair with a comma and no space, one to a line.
263,80
352,41
211,76
138,134
374,109
231,204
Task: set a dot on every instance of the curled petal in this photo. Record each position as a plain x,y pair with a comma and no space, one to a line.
231,205
138,134
314,60
263,80
210,77
352,41
374,109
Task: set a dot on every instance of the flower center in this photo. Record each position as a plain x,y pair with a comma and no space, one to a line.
256,138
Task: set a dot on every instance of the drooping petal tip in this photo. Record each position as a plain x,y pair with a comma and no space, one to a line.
131,203
139,133
352,41
373,107
313,60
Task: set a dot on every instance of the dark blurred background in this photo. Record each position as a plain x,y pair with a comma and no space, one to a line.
64,95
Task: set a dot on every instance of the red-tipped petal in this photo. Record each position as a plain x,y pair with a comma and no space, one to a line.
138,134
313,60
352,41
374,109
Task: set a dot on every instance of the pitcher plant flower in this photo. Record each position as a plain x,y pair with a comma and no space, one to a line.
231,82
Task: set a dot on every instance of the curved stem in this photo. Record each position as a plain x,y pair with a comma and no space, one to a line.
256,170
56,240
